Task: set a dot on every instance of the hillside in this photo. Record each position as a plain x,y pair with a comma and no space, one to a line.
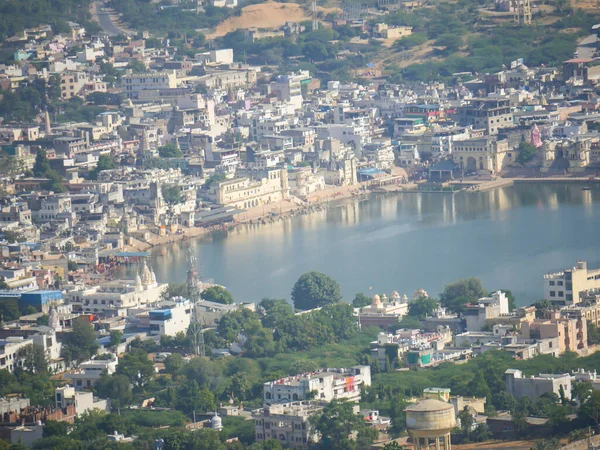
263,15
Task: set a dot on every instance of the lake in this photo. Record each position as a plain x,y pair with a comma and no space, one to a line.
508,237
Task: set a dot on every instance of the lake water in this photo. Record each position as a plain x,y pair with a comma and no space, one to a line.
508,237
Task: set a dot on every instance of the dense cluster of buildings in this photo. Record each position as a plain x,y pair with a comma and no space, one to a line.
192,144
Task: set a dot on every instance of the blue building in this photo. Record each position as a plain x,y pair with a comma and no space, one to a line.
41,300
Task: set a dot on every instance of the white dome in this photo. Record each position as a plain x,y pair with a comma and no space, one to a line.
376,298
216,422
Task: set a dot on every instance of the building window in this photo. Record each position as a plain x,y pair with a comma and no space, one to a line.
560,283
552,283
552,293
561,294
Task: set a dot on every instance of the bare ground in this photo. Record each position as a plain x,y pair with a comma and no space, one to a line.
264,15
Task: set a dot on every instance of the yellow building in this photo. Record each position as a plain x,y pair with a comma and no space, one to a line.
569,286
71,83
247,192
483,155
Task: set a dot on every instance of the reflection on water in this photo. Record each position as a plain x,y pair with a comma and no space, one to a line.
509,237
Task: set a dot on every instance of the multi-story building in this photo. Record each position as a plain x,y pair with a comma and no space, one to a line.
489,114
9,352
71,84
133,84
324,384
569,286
487,308
287,423
393,348
83,402
519,386
380,154
271,187
485,155
571,333
171,318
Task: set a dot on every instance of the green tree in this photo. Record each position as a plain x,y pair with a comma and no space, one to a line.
104,163
274,311
33,358
54,183
174,290
466,423
456,295
336,424
173,364
116,336
169,151
3,284
541,306
593,335
42,165
72,265
81,344
137,367
478,386
422,307
315,289
116,388
54,428
360,300
526,152
259,342
589,411
409,323
136,66
217,294
207,374
504,401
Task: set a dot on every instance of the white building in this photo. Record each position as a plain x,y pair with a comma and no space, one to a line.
287,423
83,401
486,308
519,386
9,349
329,384
221,56
133,84
89,372
118,295
172,318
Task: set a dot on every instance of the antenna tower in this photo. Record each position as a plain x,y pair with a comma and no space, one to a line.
195,330
315,24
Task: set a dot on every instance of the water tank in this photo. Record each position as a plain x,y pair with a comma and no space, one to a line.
430,418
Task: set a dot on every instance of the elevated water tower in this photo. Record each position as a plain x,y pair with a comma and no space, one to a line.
429,423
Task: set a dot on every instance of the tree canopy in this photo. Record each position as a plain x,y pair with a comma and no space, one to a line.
456,295
169,151
315,289
217,294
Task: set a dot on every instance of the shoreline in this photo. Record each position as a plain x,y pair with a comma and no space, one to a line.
320,200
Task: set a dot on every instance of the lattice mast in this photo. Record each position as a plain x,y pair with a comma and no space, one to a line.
193,290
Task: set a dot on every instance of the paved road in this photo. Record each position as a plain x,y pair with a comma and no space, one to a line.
105,20
587,46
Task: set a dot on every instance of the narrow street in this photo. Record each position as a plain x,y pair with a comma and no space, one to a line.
105,19
587,46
